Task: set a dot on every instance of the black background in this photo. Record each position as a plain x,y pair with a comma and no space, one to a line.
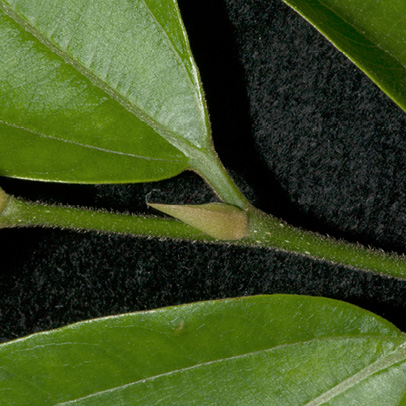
306,135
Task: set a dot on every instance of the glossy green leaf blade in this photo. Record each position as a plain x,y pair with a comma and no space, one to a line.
289,376
370,32
84,82
281,349
42,157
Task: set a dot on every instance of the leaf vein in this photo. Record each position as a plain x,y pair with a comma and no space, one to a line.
362,34
383,359
179,142
78,144
179,59
395,357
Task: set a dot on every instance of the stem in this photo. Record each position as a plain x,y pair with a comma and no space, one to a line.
20,213
264,232
268,231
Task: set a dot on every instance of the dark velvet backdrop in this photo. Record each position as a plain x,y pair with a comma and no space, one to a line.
306,135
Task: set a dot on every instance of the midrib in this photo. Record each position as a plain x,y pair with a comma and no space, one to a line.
390,359
397,356
179,142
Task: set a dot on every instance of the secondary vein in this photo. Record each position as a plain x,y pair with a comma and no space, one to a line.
78,144
179,142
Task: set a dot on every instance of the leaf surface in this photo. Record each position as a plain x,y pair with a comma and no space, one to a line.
274,350
97,91
370,32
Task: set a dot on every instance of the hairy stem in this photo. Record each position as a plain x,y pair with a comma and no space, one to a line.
19,213
268,231
265,231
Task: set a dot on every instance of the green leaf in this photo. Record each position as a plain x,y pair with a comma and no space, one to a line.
98,91
370,32
274,350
